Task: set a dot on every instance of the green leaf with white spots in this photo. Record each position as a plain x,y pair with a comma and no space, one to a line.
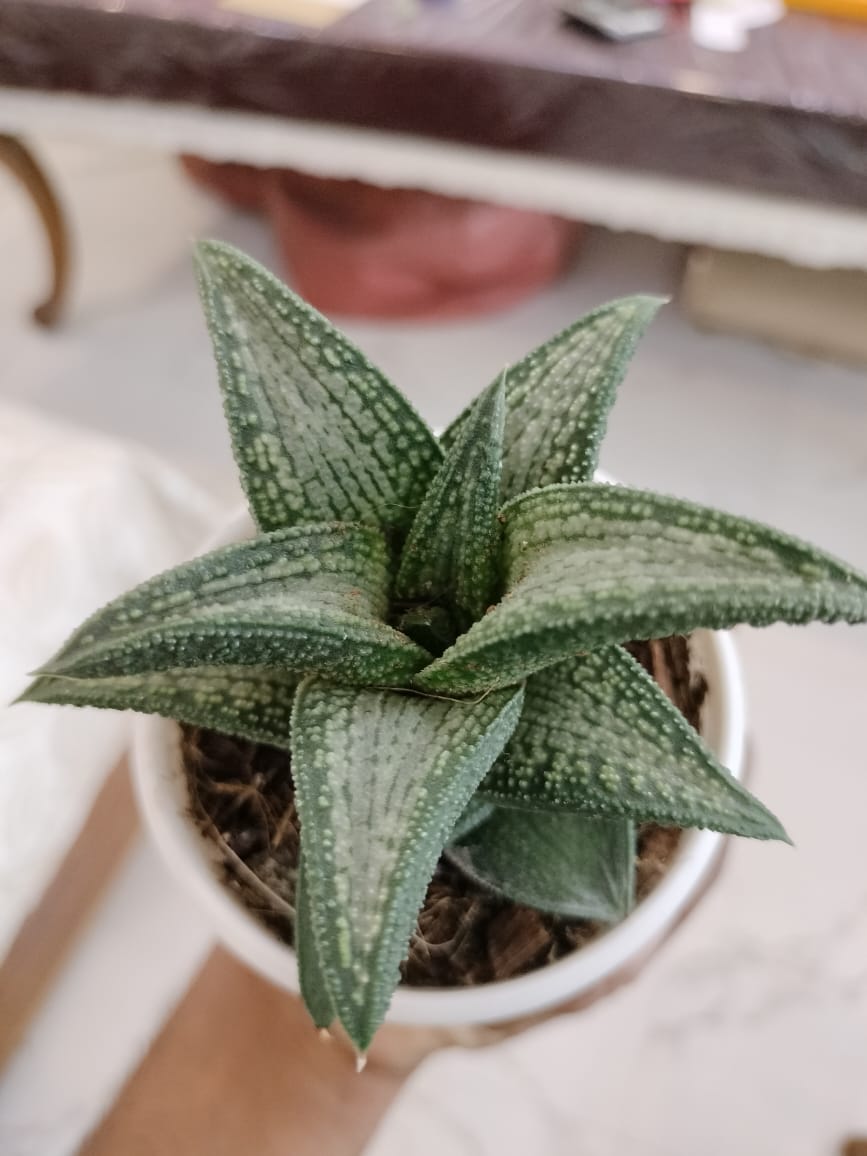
340,472
381,779
568,865
588,564
318,432
311,980
475,813
451,554
599,737
559,396
310,598
250,702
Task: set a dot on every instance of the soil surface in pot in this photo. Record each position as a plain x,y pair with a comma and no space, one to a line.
242,799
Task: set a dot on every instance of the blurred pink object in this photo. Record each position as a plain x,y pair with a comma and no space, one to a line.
357,249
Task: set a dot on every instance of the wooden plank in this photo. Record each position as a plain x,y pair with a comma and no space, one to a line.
48,933
239,1068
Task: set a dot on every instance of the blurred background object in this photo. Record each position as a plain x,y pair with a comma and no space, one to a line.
353,248
819,313
499,103
61,488
838,9
20,161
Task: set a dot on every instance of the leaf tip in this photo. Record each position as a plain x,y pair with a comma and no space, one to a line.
209,255
27,695
783,835
647,304
770,828
360,1062
208,249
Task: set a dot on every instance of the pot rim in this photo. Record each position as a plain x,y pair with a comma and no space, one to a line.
163,798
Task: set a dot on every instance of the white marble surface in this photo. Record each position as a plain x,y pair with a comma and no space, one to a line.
749,1034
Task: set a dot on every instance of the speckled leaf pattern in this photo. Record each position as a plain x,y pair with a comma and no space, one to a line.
311,980
559,396
588,564
570,865
309,598
476,812
318,432
598,736
451,554
381,779
533,744
250,702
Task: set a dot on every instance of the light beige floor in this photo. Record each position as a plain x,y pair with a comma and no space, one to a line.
749,1035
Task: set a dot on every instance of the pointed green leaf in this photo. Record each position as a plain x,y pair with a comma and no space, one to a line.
318,432
569,865
598,736
559,396
475,813
381,779
309,598
451,554
250,702
588,564
311,980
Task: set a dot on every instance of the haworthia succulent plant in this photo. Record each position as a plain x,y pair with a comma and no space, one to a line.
311,979
463,683
559,396
381,778
309,598
597,736
571,865
251,702
587,565
451,553
318,432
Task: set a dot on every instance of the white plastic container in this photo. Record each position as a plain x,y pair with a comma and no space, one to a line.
599,966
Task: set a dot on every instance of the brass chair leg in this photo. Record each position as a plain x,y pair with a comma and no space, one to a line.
17,157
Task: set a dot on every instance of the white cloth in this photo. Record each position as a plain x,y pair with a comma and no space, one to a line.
82,519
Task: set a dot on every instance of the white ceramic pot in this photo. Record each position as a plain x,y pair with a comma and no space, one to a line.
599,966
